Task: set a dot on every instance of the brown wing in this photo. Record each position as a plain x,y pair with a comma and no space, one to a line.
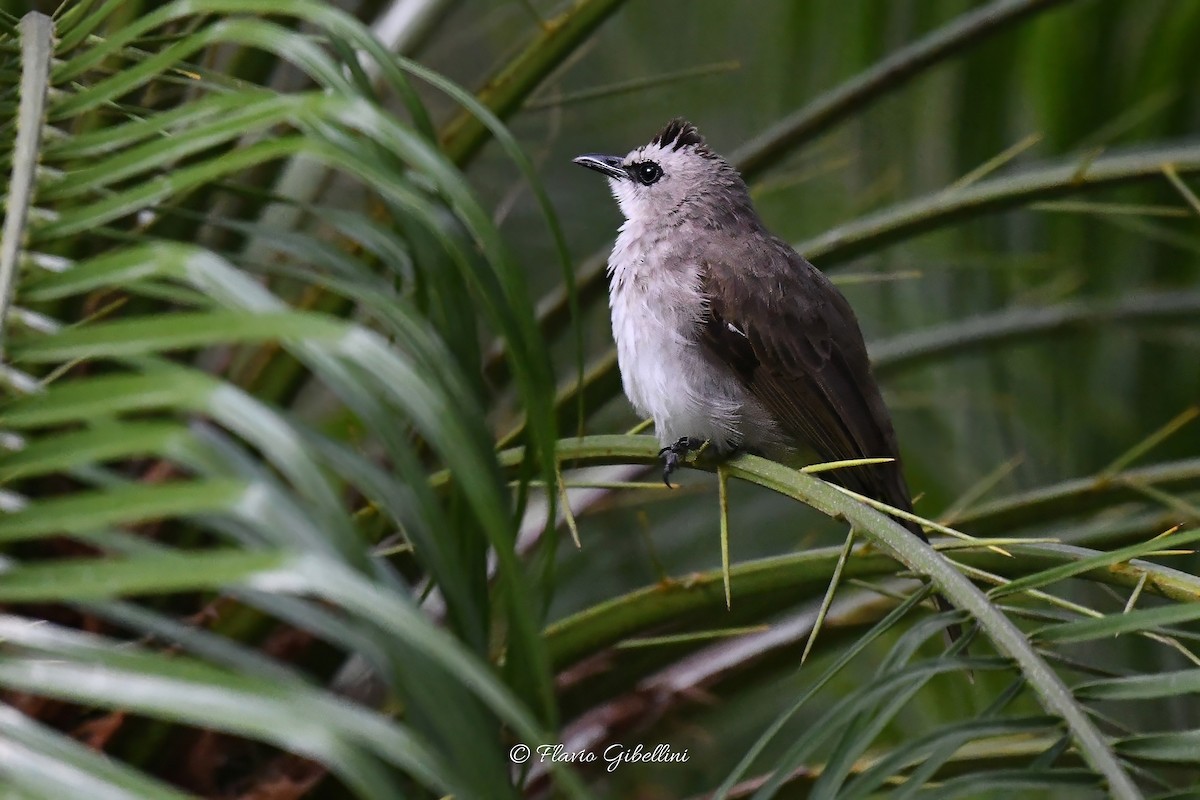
796,344
794,340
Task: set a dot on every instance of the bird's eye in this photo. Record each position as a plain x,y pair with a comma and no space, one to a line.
647,172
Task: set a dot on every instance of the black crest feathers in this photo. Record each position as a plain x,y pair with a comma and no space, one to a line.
679,133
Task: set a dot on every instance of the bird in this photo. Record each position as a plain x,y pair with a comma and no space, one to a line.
726,336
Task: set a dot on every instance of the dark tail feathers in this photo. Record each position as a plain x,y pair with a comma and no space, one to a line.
954,631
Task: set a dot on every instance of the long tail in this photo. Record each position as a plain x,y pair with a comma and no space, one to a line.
886,482
954,630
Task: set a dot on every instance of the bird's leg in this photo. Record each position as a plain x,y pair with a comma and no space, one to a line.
673,452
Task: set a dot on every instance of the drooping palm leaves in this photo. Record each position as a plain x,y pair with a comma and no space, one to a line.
282,418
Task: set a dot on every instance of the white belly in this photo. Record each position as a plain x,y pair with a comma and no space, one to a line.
666,375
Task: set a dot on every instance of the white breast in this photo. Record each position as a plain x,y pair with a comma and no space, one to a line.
656,304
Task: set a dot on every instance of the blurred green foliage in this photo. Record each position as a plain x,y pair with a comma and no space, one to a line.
293,350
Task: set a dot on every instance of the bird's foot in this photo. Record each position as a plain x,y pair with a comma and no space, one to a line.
672,453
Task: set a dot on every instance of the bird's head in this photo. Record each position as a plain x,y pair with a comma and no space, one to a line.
661,179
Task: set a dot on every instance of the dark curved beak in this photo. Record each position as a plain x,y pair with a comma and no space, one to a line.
609,166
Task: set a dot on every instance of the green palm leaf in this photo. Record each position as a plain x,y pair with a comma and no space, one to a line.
284,462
